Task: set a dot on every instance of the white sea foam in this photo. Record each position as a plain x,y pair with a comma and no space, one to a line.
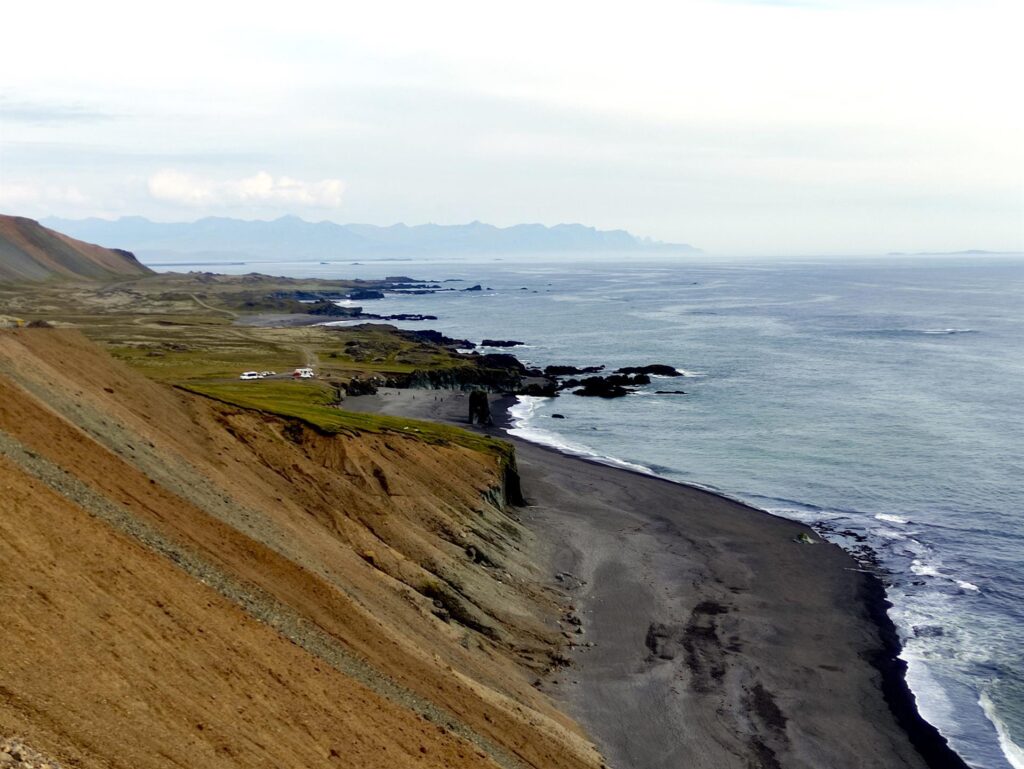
933,702
968,586
922,569
523,414
888,534
890,518
1013,752
689,374
948,331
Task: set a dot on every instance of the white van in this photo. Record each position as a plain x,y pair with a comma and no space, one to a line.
250,375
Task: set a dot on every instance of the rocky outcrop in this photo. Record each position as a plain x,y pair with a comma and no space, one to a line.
362,294
459,378
14,754
657,369
403,316
436,337
571,370
540,388
501,360
501,343
328,308
600,387
612,386
357,386
480,409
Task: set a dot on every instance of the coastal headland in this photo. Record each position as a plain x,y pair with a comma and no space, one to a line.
342,571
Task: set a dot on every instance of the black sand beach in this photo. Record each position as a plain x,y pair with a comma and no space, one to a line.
709,633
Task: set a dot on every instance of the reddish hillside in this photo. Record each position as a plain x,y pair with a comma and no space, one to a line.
31,252
192,584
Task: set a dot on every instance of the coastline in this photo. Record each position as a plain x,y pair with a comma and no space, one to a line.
661,659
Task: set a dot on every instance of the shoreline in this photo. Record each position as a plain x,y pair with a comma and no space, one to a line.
857,599
926,738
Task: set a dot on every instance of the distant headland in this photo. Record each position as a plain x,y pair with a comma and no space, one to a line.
292,237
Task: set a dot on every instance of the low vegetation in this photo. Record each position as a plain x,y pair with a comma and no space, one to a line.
188,331
314,404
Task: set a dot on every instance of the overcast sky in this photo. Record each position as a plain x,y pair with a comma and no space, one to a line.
817,126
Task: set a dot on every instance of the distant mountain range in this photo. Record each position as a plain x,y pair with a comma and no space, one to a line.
291,237
30,252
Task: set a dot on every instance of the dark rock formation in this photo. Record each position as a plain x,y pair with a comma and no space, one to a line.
362,294
598,387
479,409
470,376
436,337
571,370
670,392
360,387
501,360
328,308
612,386
500,343
477,287
558,416
300,295
544,389
658,369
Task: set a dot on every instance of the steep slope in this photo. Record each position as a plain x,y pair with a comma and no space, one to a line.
31,252
187,583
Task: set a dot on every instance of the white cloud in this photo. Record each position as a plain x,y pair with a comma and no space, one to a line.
261,189
23,194
875,124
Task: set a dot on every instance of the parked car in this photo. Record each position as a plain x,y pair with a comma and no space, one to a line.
250,375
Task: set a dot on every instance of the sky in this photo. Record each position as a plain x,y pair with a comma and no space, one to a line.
741,127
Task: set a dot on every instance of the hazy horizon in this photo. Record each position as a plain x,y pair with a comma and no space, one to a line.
690,250
738,126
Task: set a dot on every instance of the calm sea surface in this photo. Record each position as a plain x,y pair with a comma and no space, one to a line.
878,400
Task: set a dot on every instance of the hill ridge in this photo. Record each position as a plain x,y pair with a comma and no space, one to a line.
31,252
292,236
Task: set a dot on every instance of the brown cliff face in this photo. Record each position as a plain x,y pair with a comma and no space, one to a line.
188,583
30,252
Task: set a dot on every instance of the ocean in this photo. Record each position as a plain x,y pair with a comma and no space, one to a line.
878,400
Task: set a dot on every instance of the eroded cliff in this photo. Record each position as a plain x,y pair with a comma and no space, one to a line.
190,583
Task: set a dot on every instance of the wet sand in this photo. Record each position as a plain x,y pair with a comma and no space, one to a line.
709,634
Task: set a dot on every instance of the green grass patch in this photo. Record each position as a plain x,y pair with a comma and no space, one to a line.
311,403
208,360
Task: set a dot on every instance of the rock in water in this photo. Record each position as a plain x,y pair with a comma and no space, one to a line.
501,343
479,408
569,370
658,369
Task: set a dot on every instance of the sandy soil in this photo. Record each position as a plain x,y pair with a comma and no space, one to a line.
706,634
